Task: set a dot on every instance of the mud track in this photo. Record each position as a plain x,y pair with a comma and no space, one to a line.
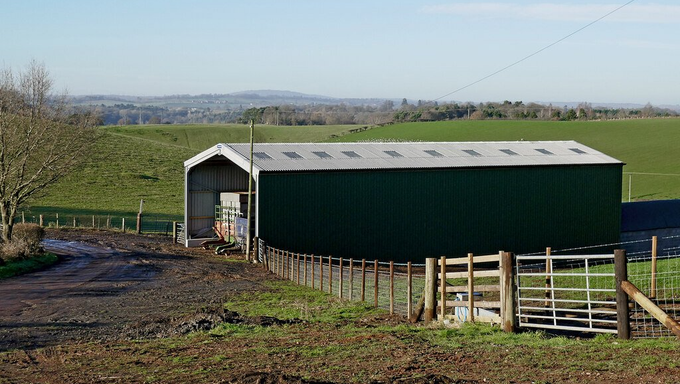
111,285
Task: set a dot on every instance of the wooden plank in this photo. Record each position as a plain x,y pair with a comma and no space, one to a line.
478,259
478,288
464,275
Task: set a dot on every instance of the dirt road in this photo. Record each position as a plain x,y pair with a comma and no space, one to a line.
112,285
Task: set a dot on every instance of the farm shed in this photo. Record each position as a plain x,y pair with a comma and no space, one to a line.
408,201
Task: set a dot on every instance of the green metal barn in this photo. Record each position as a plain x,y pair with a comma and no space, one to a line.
409,201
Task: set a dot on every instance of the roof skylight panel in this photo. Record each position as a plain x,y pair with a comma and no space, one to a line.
262,156
394,153
322,154
472,152
433,153
352,154
293,155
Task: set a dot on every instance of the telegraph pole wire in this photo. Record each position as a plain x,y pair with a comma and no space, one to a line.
533,54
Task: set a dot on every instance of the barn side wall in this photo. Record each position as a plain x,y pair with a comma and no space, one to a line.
414,214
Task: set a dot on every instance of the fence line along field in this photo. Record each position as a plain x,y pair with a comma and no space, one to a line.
132,163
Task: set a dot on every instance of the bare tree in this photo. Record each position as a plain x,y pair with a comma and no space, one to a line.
42,138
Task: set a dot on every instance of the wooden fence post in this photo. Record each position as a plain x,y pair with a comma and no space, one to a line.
57,221
312,271
391,287
321,273
363,279
652,293
275,253
298,268
74,221
340,280
351,277
430,290
375,283
23,218
442,287
330,274
471,288
93,223
139,223
42,220
508,304
305,265
409,290
622,312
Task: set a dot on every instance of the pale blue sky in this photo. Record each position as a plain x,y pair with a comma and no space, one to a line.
397,48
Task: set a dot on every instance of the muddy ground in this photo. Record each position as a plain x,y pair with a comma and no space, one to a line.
115,308
111,285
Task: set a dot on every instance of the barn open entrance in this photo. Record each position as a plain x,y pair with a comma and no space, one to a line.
216,200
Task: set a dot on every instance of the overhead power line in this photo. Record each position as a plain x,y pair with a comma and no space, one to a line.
535,53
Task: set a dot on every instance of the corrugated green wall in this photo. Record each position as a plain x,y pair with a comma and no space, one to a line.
413,214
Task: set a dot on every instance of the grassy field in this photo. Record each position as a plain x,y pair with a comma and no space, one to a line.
646,146
202,136
145,162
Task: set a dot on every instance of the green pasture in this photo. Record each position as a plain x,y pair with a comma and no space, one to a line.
146,162
202,136
649,147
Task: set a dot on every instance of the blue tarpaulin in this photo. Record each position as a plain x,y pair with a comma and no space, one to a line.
647,215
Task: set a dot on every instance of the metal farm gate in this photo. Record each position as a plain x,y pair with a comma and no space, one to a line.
570,293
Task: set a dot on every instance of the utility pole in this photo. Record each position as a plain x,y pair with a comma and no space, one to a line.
250,192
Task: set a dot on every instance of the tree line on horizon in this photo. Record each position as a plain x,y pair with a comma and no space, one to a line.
385,113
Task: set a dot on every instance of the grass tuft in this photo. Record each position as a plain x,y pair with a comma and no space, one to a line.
20,267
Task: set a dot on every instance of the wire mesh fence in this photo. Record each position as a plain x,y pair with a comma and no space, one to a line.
387,285
155,224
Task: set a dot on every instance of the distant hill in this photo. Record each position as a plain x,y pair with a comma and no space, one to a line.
226,101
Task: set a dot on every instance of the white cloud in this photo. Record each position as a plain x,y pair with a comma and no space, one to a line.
647,13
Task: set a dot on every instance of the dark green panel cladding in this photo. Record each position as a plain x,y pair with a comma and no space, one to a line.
413,214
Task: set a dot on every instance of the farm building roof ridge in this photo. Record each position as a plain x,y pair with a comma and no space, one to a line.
279,157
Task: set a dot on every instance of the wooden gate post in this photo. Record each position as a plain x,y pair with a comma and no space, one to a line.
622,312
430,289
508,303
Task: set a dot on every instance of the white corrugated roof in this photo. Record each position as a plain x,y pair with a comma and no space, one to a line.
274,157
